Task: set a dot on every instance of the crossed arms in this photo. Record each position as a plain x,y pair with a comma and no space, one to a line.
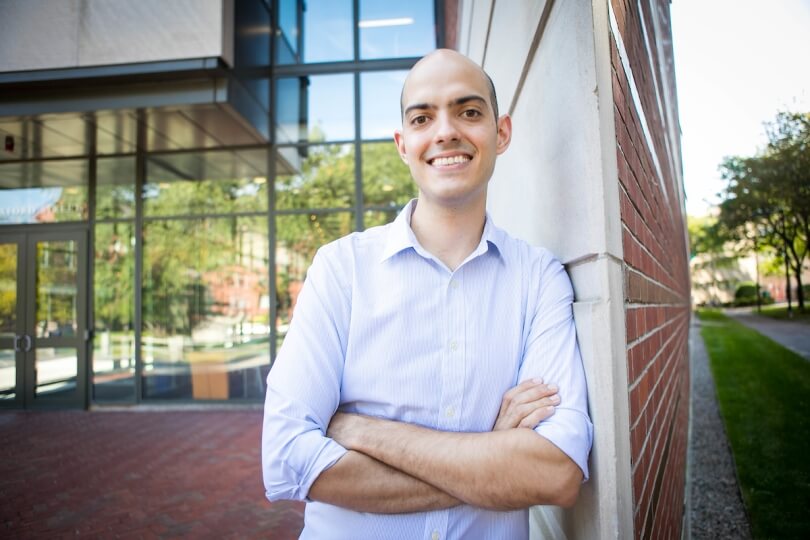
310,451
396,467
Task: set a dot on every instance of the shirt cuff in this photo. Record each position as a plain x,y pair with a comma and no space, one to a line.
312,453
572,432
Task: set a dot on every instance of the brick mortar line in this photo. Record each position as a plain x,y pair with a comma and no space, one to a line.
638,340
630,122
651,280
635,177
633,203
653,257
671,388
655,447
646,369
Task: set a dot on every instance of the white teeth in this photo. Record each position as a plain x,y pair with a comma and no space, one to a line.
452,160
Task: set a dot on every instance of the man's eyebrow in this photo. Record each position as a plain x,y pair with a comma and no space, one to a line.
458,101
418,106
467,99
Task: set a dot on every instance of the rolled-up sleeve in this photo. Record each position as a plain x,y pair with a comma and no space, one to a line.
552,353
303,387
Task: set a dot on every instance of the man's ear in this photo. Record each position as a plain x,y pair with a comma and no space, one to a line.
399,140
504,133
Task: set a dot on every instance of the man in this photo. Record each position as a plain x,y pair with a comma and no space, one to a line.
406,398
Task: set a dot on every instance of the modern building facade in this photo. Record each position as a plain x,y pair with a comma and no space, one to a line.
169,169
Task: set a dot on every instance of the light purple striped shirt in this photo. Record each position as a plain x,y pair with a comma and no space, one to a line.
384,328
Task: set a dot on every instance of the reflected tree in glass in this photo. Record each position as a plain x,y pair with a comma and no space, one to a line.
324,178
114,308
386,179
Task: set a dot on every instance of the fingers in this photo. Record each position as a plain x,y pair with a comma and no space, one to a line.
527,404
536,416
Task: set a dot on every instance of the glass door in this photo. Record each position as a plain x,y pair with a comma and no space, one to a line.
12,320
47,336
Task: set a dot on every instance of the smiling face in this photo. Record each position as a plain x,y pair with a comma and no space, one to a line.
450,136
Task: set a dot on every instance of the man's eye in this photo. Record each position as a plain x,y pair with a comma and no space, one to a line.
471,113
419,120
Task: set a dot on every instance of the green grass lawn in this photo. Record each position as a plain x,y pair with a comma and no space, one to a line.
782,314
764,395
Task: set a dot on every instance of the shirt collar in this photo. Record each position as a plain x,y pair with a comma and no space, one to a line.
401,237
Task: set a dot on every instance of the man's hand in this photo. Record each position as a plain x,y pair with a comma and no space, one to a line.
526,405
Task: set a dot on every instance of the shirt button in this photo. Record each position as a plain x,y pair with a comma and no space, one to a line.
453,285
450,412
435,535
453,345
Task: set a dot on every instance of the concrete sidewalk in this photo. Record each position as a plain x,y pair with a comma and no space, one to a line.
168,474
715,506
791,334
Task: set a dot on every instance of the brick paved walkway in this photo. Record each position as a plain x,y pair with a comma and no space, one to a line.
190,474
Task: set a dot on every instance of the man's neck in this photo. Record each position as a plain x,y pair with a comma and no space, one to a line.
449,233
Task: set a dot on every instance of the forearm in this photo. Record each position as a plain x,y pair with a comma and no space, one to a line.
361,483
501,470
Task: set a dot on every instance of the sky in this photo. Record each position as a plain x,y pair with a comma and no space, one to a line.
737,63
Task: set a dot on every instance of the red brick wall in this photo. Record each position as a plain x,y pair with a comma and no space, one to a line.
656,285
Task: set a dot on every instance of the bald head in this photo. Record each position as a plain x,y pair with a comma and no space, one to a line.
445,57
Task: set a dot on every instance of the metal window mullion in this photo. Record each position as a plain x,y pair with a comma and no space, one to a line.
358,161
90,135
140,180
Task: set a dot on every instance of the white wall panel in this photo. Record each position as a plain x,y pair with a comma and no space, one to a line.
48,34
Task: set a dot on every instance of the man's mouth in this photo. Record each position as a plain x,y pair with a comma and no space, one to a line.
446,161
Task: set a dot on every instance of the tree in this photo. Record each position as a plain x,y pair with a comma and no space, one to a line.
769,193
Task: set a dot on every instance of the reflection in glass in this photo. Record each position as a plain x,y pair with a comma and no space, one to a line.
55,372
206,302
115,187
315,108
43,192
8,290
322,178
396,29
379,98
287,35
116,131
328,31
375,218
56,292
8,375
298,237
206,182
386,179
113,286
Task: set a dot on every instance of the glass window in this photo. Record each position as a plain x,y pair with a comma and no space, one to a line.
57,265
315,108
315,177
396,29
380,106
386,179
8,319
287,36
206,182
43,191
206,305
114,301
375,218
115,132
115,188
328,31
298,237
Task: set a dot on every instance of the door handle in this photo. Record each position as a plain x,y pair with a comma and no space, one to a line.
17,340
28,342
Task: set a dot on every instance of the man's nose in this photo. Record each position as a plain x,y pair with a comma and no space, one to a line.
446,129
